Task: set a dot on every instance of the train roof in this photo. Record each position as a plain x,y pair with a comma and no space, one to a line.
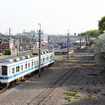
23,59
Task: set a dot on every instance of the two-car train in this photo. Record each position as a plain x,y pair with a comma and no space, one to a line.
13,69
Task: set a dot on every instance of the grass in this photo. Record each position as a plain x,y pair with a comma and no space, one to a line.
88,90
96,91
57,57
89,95
92,74
68,98
71,96
81,88
103,94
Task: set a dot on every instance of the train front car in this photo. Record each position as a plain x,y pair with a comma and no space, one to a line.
3,76
14,69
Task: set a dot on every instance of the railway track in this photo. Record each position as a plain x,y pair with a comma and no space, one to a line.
45,94
39,100
49,91
14,84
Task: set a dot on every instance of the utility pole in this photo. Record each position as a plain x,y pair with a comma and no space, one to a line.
48,43
39,32
10,38
10,32
86,41
51,46
80,41
32,46
68,45
31,43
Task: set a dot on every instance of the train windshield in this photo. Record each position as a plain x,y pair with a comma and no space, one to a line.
4,70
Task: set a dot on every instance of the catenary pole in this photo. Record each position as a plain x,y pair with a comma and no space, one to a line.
39,49
10,32
68,45
80,41
86,41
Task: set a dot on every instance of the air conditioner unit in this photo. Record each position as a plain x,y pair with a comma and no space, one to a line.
16,59
22,57
27,56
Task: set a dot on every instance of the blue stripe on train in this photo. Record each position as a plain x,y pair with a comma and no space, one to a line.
25,70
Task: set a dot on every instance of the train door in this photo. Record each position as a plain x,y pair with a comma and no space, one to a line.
13,73
32,64
22,70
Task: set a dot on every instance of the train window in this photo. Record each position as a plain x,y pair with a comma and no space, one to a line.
13,70
43,59
4,70
21,67
28,65
47,58
32,63
17,68
51,57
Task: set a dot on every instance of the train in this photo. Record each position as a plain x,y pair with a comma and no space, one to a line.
16,68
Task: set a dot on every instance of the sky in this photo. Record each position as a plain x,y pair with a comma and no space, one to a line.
55,16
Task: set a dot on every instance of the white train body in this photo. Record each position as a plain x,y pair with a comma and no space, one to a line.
15,68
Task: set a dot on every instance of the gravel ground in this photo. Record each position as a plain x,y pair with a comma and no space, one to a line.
87,81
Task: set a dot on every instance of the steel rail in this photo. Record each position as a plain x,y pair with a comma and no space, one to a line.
51,89
45,94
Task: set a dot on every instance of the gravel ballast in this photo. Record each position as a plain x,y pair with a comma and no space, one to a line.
87,81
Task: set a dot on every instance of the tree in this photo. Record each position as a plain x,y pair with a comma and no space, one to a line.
101,24
92,33
99,51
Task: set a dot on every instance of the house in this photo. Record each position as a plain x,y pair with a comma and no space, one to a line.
25,42
29,39
8,43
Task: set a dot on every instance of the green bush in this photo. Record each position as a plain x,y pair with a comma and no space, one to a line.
71,96
99,51
9,52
